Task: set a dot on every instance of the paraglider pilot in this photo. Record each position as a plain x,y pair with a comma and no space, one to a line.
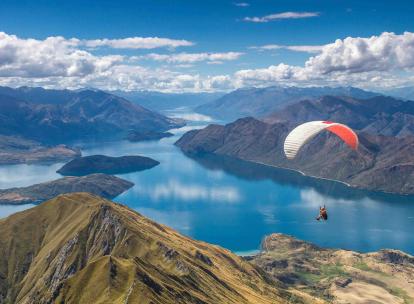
323,214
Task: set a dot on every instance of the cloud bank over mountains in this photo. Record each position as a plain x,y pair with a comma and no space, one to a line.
383,60
371,59
136,43
193,57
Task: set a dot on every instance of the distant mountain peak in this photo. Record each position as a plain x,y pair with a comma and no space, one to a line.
92,89
259,102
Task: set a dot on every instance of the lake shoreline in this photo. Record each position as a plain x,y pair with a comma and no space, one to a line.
319,177
246,201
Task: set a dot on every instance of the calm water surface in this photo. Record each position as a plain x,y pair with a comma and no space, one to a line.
235,203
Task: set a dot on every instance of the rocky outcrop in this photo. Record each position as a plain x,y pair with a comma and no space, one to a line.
381,163
107,164
79,248
338,276
17,150
107,186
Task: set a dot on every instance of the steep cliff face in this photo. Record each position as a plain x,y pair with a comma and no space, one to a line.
80,248
338,276
381,163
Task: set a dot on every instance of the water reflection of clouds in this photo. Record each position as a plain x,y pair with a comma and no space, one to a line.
379,230
183,166
313,199
174,189
216,174
180,220
25,175
269,214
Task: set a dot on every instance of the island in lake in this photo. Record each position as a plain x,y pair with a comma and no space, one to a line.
107,164
107,186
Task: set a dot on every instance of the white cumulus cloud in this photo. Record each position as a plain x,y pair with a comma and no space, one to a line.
137,43
385,60
194,57
385,52
363,61
296,48
54,56
284,15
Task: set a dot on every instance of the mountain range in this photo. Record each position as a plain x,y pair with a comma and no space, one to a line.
381,163
158,101
376,115
62,115
406,93
259,102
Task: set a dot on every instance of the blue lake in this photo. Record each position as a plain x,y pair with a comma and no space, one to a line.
235,204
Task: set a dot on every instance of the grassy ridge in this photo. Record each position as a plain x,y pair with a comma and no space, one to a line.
80,248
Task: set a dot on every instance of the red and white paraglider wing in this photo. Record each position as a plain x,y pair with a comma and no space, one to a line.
305,132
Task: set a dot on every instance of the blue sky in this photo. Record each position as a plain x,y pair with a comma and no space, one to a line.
235,31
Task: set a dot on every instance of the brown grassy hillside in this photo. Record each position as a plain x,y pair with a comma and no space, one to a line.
80,248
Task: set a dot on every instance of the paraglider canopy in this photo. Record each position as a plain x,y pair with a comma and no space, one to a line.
305,132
